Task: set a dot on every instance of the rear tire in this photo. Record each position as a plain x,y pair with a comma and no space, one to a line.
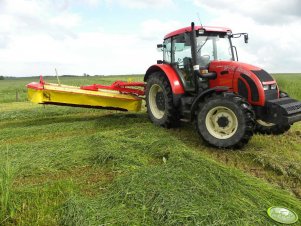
159,101
225,121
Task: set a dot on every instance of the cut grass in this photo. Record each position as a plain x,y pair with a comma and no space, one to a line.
189,189
273,158
91,167
6,182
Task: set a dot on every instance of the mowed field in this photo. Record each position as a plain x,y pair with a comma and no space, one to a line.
75,166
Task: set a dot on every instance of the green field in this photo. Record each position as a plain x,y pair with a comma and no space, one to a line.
74,166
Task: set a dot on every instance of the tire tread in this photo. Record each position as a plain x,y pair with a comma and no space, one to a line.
172,116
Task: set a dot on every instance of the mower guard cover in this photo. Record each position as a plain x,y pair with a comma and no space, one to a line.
284,110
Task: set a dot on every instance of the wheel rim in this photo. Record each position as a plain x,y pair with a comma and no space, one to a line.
221,122
266,124
157,101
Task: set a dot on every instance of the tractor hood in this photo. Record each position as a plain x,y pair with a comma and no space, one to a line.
249,81
232,66
257,74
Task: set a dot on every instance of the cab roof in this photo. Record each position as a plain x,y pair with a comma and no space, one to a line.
206,28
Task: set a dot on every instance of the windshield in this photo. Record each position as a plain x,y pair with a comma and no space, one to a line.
213,47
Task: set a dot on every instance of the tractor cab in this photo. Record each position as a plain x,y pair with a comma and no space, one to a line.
183,52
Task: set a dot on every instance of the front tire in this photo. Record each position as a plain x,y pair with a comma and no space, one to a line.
225,121
159,101
263,127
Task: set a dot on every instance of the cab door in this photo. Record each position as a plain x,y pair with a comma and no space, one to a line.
225,73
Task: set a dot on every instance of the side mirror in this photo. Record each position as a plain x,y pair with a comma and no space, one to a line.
238,35
160,47
246,37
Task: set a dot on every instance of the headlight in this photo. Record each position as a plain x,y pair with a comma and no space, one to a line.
274,86
265,87
201,31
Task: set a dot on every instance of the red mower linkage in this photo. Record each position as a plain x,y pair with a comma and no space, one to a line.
120,86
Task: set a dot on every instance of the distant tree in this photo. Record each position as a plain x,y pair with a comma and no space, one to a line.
1,77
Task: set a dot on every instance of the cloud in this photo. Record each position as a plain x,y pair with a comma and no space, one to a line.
265,12
145,3
273,47
27,17
133,4
4,40
272,26
97,52
42,35
91,52
153,29
42,38
66,20
63,5
2,5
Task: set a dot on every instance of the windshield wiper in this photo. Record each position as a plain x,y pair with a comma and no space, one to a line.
199,49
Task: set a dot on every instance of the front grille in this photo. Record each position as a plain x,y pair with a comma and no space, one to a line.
263,76
242,89
253,87
271,94
293,107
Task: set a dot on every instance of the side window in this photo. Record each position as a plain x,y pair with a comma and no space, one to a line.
182,58
167,50
205,50
182,50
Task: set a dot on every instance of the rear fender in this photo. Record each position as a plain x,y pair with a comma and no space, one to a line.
170,73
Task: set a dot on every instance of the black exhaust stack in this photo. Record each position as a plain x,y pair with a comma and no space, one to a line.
193,45
196,67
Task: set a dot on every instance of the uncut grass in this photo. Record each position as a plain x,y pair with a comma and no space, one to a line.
290,83
9,87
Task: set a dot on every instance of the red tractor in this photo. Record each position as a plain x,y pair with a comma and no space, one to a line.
201,79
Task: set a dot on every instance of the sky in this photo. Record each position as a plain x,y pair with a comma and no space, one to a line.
110,37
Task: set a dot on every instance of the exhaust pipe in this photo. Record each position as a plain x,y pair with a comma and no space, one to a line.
196,67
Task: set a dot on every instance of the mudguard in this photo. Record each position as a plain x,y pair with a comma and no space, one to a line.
174,80
205,93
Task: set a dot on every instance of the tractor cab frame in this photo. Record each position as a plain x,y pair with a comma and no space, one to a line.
184,50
